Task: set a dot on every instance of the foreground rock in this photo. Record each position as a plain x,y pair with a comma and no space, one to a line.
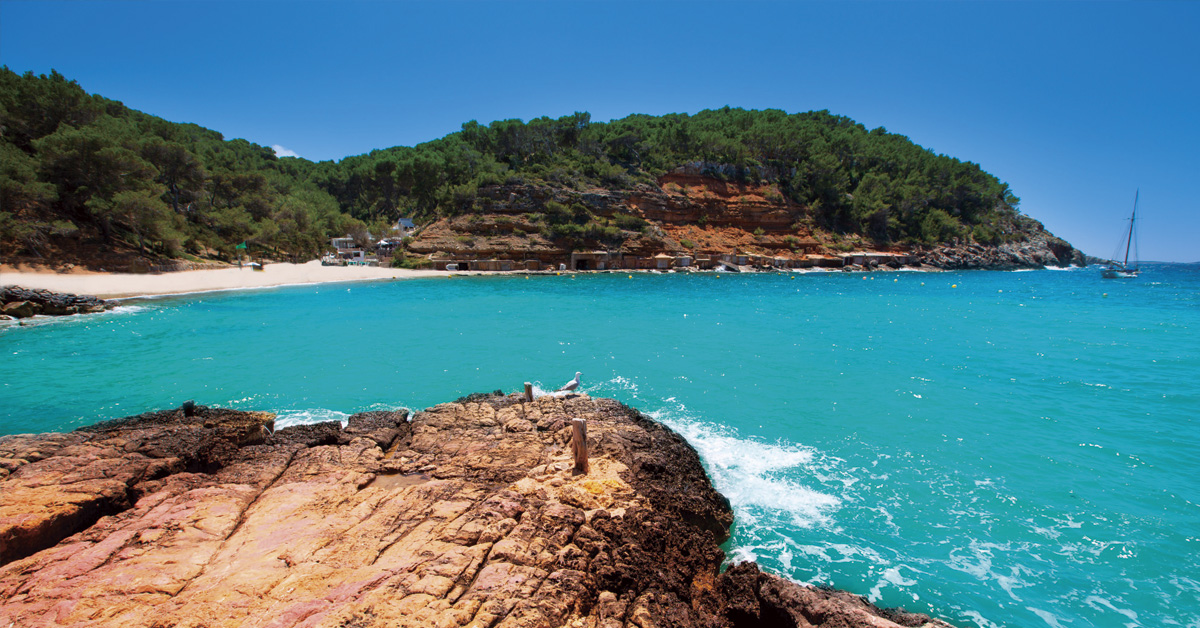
18,302
466,516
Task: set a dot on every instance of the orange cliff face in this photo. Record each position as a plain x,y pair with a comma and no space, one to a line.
702,216
687,213
697,199
717,216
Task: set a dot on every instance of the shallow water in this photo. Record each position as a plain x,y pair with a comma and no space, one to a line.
998,449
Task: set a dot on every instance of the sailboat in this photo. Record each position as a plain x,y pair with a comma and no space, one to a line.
1121,270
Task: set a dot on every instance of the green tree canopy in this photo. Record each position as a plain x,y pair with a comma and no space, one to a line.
74,163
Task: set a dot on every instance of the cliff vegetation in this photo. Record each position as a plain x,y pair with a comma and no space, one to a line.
84,175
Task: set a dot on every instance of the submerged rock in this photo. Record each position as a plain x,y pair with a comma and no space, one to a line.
466,515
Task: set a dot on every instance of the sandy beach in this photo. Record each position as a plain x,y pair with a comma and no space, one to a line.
120,285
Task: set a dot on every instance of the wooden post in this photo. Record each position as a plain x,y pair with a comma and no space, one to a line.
528,391
579,446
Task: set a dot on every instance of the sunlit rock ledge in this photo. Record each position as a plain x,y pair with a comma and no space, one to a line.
469,514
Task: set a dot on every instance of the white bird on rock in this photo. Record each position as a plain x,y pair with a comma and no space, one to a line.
571,385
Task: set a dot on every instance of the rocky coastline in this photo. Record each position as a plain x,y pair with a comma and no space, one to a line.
1039,251
708,221
17,302
464,514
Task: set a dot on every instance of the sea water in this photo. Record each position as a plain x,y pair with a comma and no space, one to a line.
994,448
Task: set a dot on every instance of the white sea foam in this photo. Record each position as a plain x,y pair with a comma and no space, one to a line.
759,478
308,416
1046,616
978,563
784,556
890,576
385,407
741,554
842,553
979,620
1097,602
624,383
129,309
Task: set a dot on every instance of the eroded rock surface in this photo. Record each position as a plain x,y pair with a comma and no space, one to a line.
468,515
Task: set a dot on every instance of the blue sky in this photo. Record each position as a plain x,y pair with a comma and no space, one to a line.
1074,104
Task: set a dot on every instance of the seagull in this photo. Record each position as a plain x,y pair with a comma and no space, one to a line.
571,385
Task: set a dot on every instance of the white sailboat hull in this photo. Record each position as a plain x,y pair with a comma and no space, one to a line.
1119,273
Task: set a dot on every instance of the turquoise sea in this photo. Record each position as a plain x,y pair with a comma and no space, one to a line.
995,448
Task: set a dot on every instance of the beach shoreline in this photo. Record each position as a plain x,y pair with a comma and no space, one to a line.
131,285
122,286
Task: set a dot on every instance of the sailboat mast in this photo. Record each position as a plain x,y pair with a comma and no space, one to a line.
1129,238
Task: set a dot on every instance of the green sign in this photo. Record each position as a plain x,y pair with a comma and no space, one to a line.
240,246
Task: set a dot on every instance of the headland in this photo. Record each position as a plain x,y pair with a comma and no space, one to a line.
466,514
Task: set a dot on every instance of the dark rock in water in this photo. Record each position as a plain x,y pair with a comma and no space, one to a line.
466,515
50,303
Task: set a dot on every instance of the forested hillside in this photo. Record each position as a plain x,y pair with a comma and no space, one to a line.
849,179
80,170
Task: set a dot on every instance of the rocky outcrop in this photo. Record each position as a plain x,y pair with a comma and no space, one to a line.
1040,250
467,515
687,213
55,485
678,198
19,302
682,198
691,211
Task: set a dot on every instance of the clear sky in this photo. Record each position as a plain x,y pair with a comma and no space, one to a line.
1074,104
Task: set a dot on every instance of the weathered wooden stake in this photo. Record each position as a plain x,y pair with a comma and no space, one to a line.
528,391
579,446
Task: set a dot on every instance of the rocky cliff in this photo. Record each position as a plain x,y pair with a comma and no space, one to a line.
688,213
1038,249
466,515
